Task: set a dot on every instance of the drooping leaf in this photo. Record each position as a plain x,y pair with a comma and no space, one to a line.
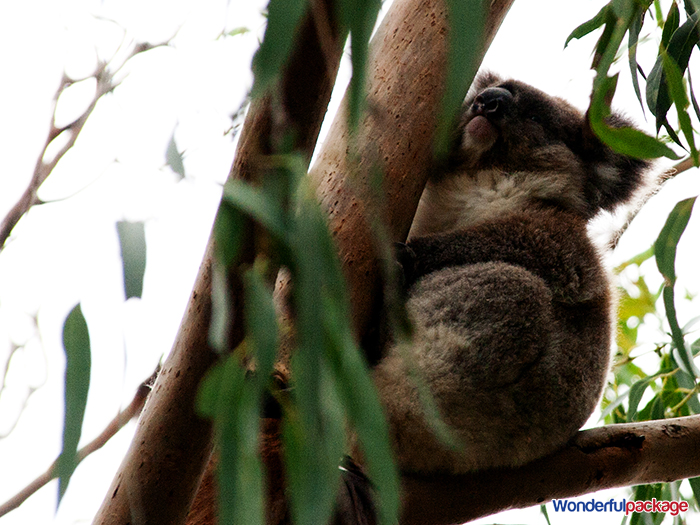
240,475
76,345
591,25
174,158
667,242
665,250
132,241
282,21
625,140
679,48
673,19
258,205
467,21
359,17
634,31
261,325
674,78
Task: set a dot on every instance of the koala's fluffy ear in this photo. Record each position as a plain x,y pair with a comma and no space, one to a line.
612,176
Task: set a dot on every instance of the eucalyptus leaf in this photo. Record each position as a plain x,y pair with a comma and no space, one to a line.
625,140
591,25
282,21
76,345
674,78
132,241
666,244
465,40
258,205
174,158
635,29
359,16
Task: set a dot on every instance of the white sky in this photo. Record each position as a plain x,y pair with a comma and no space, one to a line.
67,251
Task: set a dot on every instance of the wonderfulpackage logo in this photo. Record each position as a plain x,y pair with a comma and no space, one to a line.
593,505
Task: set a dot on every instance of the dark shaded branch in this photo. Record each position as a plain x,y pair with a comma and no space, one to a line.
596,459
114,426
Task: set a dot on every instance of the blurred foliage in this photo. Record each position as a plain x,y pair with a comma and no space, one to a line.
670,390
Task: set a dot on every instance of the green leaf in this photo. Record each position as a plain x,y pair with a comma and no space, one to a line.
666,244
240,474
625,140
282,21
665,250
359,16
360,398
261,325
174,158
671,25
132,241
674,78
260,206
634,30
635,396
680,46
76,345
237,31
465,40
588,27
695,486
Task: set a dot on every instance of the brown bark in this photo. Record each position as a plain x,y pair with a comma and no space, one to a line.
157,480
596,459
406,76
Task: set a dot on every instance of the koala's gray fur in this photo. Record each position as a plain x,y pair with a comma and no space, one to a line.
510,303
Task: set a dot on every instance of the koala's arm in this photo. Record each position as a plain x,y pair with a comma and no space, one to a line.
552,245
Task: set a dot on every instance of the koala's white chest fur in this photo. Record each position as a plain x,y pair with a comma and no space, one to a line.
460,201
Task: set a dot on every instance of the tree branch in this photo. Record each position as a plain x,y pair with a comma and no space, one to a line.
43,168
121,419
596,459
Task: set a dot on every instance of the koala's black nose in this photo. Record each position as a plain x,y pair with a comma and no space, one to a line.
493,101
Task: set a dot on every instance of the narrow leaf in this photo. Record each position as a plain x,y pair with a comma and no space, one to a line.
76,345
665,250
667,242
587,27
132,241
674,78
282,21
635,29
626,140
359,16
258,205
465,39
174,158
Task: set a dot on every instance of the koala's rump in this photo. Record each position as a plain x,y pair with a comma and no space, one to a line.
508,367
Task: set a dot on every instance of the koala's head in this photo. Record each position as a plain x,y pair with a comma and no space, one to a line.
515,128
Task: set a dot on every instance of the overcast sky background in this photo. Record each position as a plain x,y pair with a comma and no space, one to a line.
67,251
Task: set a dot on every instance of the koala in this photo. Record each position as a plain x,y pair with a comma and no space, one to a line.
510,303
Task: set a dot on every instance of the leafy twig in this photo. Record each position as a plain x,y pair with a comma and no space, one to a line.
120,420
105,84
